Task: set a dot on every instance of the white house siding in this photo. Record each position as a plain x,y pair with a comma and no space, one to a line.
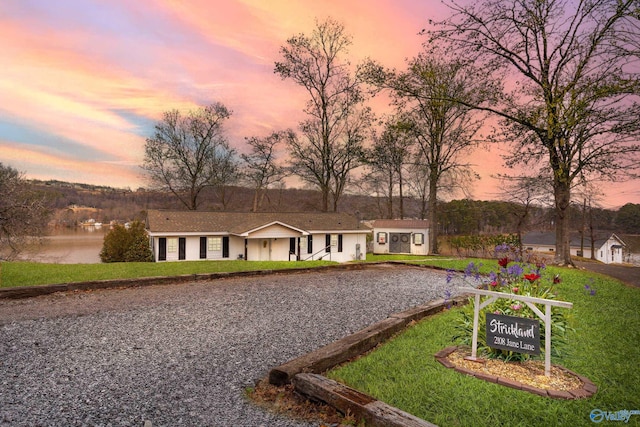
610,252
414,249
274,231
350,244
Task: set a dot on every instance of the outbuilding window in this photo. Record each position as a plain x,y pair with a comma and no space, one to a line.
382,238
418,239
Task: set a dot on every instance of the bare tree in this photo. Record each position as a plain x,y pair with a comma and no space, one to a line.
24,213
188,153
261,167
525,192
388,157
443,128
331,143
590,195
566,81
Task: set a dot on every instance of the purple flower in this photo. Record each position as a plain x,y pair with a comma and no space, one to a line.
516,307
493,277
471,267
515,270
450,275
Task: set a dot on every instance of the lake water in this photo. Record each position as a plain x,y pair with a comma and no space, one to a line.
69,246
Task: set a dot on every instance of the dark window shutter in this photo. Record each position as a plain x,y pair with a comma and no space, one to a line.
339,242
292,245
225,247
327,241
162,249
310,244
182,248
203,248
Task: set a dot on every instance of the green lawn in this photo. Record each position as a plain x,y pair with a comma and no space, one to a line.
604,348
14,274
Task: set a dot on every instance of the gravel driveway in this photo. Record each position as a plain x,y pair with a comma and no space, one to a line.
182,355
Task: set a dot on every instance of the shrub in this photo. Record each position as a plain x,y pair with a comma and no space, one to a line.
126,244
481,246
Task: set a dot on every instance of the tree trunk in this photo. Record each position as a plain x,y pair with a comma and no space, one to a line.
325,199
592,234
255,200
433,216
390,196
562,193
401,195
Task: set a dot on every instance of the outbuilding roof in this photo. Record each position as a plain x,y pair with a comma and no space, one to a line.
161,221
401,223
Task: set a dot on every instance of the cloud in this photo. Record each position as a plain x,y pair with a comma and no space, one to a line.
84,81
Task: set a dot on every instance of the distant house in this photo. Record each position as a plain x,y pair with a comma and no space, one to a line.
400,236
608,247
255,236
632,248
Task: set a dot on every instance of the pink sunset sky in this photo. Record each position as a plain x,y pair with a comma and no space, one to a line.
83,82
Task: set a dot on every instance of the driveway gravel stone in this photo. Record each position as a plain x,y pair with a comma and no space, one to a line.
183,355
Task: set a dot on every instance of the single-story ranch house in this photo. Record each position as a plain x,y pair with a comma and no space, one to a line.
608,247
255,236
400,236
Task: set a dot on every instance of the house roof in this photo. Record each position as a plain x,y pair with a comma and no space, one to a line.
632,241
401,223
160,221
549,239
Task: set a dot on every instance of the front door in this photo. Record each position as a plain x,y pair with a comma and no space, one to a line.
400,243
265,250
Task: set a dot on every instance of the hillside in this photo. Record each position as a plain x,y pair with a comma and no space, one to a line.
75,203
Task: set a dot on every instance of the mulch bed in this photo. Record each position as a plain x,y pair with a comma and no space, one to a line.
527,376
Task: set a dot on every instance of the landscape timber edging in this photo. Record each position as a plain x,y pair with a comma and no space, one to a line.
356,344
305,371
39,290
362,406
588,388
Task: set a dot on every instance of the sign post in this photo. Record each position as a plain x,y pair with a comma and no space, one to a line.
514,327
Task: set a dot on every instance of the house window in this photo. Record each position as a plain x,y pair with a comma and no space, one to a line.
333,241
418,239
303,245
172,245
382,238
214,244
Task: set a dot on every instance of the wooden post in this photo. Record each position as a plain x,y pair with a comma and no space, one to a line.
547,340
476,315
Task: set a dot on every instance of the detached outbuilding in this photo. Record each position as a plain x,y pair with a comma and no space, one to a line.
255,236
400,236
608,247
